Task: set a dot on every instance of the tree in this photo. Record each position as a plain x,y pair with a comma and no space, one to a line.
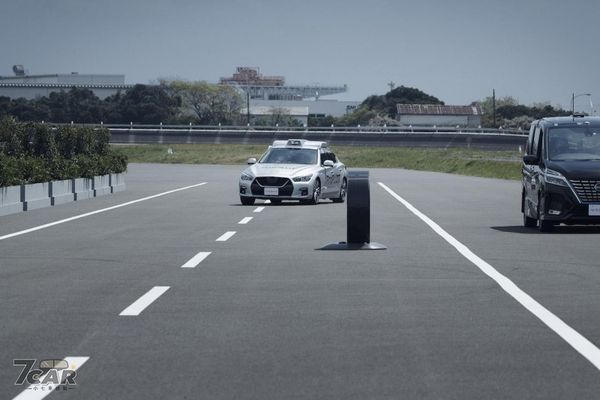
4,106
511,114
383,109
210,104
143,104
29,110
79,105
386,104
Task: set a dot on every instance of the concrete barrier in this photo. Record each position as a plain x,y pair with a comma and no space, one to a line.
83,188
101,185
14,199
10,200
36,195
117,182
61,192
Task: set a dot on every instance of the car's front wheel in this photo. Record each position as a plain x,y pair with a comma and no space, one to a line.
542,224
528,222
247,201
316,195
342,196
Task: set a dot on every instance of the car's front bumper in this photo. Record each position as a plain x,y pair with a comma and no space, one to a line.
289,191
560,205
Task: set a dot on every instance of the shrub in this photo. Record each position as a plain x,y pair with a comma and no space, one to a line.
42,139
33,170
13,139
34,152
9,171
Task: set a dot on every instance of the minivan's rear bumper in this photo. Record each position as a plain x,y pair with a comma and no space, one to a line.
570,211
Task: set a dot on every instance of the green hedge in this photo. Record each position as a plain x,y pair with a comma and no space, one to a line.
35,152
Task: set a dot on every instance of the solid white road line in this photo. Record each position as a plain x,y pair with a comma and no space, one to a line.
62,221
197,259
38,391
140,304
258,209
244,221
226,236
571,336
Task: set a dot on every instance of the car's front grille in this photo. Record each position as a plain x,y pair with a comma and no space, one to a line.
587,190
272,181
285,186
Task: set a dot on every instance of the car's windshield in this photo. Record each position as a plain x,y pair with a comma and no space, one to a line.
290,156
580,143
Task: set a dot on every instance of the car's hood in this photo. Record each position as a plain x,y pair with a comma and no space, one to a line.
576,169
281,170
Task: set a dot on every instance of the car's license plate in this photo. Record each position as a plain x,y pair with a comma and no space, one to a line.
271,191
594,210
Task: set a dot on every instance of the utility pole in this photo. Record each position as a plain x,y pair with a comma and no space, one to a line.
392,85
248,106
494,105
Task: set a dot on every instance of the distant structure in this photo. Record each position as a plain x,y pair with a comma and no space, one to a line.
269,96
24,85
251,76
250,80
434,114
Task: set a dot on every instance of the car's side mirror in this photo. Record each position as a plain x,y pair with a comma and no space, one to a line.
328,163
251,161
530,160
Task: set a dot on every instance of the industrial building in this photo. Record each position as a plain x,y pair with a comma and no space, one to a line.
252,82
270,96
24,85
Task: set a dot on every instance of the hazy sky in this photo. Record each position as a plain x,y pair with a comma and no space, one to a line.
456,50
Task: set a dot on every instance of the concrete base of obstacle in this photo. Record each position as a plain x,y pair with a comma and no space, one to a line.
354,246
358,214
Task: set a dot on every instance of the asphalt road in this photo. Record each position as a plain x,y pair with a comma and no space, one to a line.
268,316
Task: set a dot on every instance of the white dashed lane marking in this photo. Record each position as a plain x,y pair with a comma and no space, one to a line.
197,259
140,304
226,236
244,221
258,209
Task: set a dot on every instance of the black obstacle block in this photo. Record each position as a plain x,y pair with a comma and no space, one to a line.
358,215
358,208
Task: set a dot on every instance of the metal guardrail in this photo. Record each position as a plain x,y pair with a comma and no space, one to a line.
421,136
368,136
320,129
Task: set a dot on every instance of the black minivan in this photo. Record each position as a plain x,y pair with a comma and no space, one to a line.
561,172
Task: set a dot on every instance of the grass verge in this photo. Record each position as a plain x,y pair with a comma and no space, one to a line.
488,164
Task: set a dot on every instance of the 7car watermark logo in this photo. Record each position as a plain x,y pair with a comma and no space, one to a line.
47,376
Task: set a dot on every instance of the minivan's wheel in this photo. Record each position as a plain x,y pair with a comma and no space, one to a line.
316,193
528,222
543,225
247,201
342,196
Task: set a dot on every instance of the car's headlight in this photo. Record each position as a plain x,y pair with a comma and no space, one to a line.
246,177
555,178
302,178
